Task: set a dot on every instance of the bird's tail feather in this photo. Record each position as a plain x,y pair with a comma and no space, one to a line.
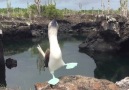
40,50
71,65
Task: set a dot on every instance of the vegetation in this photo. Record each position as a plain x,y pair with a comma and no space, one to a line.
50,11
34,10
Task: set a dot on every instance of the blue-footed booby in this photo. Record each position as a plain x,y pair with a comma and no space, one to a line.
55,56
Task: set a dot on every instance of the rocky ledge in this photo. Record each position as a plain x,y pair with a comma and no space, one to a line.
37,27
123,84
111,35
78,82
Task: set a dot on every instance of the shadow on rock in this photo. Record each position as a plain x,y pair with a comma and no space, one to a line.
110,66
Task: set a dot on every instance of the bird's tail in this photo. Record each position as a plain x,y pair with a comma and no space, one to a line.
41,51
71,65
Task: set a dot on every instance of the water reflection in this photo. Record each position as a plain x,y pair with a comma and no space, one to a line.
16,46
10,63
109,66
26,53
113,67
42,62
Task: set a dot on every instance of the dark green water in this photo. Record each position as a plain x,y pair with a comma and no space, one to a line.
27,72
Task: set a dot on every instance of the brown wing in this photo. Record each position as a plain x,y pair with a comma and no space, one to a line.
47,53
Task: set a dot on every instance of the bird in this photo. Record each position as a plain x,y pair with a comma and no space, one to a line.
53,56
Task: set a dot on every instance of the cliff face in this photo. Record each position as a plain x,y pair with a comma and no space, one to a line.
111,35
25,28
78,83
104,33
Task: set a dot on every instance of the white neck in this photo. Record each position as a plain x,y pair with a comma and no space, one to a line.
53,41
54,45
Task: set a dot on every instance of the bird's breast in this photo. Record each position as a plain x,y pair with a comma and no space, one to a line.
55,53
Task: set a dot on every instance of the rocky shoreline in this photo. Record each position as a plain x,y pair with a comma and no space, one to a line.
25,28
111,36
78,82
104,34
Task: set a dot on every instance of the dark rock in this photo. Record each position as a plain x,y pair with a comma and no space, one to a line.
105,47
15,29
64,26
122,22
84,24
109,36
2,66
78,83
84,27
36,26
124,44
120,18
101,41
10,63
21,28
22,32
112,35
35,33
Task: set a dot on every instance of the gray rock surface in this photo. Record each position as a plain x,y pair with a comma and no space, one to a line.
123,84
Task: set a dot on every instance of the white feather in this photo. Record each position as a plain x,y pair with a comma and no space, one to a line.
41,51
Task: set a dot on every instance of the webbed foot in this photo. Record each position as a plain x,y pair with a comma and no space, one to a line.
71,65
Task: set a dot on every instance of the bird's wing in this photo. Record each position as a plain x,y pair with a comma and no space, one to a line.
41,51
47,53
40,63
41,59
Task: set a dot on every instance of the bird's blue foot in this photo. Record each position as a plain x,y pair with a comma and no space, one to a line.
53,81
71,65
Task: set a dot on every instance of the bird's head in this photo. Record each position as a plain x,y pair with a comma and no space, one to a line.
53,27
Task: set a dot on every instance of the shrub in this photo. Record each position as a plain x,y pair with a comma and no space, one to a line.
50,11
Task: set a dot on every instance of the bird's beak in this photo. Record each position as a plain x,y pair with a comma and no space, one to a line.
54,23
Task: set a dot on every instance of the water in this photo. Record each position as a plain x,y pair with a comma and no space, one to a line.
113,67
27,72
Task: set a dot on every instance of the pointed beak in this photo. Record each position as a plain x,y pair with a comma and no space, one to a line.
54,23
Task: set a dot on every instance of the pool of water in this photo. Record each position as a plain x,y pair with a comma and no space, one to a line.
28,72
